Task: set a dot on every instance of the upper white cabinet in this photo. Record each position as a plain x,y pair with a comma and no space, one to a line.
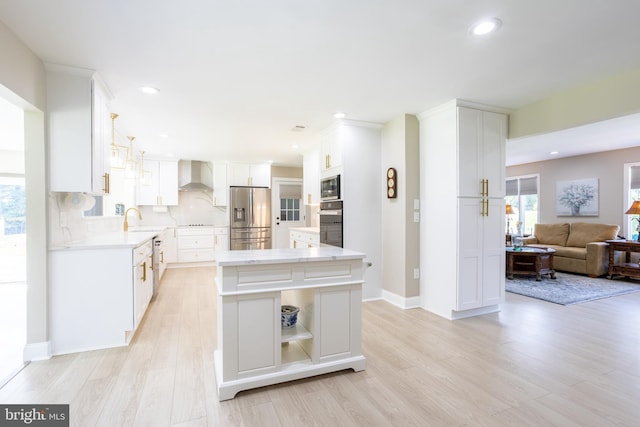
311,177
79,128
481,154
462,160
160,183
249,174
220,186
330,151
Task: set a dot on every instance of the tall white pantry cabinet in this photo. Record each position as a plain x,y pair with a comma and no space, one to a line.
462,185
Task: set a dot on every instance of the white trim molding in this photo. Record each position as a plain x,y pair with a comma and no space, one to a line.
37,351
404,303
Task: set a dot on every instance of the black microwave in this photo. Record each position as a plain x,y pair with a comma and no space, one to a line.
330,188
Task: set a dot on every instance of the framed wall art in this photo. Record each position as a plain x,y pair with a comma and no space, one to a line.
577,197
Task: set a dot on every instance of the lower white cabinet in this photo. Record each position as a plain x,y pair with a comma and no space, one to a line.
98,296
254,350
195,244
221,239
307,237
142,280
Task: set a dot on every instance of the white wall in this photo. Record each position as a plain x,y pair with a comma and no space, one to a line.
22,82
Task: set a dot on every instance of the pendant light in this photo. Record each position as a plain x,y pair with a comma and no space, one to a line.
118,152
130,165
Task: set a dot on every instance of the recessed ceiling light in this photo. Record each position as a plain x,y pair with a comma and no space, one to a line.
163,135
149,89
169,154
295,146
486,26
340,115
553,153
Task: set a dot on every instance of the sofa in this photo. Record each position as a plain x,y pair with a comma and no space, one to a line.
580,246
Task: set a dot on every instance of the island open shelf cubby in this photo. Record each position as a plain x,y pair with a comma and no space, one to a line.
253,349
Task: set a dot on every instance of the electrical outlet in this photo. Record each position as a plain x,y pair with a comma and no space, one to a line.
416,217
416,204
416,273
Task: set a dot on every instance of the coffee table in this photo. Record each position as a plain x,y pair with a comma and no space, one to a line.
530,261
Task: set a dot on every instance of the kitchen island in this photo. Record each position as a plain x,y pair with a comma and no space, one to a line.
253,349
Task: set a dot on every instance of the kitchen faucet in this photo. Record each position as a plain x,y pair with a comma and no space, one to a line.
126,223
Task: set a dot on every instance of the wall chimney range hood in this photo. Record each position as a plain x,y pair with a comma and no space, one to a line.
194,175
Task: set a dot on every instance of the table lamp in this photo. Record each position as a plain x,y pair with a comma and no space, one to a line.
509,211
635,210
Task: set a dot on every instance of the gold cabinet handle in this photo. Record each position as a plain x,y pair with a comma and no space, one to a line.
482,207
161,257
151,261
486,201
486,192
144,271
107,183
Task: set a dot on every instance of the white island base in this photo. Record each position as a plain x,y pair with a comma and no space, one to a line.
253,349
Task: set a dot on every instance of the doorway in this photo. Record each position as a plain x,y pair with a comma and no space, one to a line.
288,210
13,246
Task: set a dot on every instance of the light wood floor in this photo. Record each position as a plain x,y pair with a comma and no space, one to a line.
532,364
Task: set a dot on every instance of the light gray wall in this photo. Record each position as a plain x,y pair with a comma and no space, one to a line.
608,167
401,236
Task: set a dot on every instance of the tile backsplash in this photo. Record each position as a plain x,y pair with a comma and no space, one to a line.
68,224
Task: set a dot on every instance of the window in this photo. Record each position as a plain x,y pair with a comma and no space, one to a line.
289,209
632,193
522,195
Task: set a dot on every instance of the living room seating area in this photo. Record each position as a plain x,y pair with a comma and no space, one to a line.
580,247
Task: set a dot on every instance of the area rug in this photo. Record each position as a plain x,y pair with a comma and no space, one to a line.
569,289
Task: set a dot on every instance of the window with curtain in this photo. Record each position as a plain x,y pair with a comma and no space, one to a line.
522,195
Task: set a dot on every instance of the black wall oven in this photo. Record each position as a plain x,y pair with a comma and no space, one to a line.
330,188
331,223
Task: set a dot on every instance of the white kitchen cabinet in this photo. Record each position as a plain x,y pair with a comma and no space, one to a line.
142,280
306,237
171,245
196,244
254,350
249,174
481,140
462,240
221,239
220,186
330,157
160,185
98,296
311,177
162,251
79,130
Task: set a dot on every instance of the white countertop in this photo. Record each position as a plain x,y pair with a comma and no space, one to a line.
118,239
280,256
306,229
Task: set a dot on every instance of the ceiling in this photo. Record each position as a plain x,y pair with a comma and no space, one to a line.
237,77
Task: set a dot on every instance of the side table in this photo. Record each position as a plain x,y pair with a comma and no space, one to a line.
627,268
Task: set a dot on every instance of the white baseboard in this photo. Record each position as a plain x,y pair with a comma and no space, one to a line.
37,351
400,301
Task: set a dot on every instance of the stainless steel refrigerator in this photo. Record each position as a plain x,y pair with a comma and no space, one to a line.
250,209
